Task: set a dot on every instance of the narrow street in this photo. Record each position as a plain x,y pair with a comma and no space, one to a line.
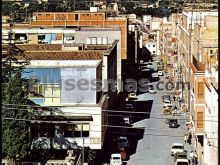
155,146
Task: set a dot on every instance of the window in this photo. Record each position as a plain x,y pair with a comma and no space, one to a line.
84,129
105,40
153,51
80,48
69,130
39,89
42,130
99,40
200,90
41,38
88,41
94,40
199,119
153,45
76,16
69,38
211,51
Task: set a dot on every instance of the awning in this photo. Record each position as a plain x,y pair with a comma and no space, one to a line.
61,119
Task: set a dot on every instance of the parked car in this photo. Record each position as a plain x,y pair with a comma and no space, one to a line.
127,120
166,98
173,123
160,73
167,106
122,142
176,112
180,155
152,90
181,162
116,159
131,96
177,147
129,105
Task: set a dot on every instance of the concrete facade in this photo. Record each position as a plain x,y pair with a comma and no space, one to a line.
84,34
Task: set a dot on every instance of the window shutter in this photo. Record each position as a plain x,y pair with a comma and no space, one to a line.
200,90
199,119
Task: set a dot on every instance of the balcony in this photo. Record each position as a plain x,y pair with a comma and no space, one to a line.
197,66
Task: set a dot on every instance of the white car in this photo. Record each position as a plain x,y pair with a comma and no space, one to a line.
115,159
160,73
181,162
167,106
177,147
152,90
132,96
127,120
176,112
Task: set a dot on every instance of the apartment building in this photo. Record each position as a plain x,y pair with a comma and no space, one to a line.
66,80
211,109
150,42
82,19
185,46
69,37
168,42
205,46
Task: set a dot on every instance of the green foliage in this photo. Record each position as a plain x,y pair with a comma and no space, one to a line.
90,155
155,12
15,134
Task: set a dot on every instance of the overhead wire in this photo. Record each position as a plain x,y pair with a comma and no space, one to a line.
116,111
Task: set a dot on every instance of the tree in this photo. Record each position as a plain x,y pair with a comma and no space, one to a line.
90,155
15,133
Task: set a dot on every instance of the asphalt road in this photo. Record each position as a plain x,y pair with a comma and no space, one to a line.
154,148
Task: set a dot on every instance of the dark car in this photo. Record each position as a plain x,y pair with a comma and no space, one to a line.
129,106
180,155
173,123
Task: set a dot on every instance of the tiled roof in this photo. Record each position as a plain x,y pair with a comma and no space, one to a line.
36,47
40,47
97,47
99,29
58,55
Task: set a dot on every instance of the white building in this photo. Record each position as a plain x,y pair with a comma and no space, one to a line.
66,81
210,150
132,17
146,18
151,45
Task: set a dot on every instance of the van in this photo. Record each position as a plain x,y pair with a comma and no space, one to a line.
115,159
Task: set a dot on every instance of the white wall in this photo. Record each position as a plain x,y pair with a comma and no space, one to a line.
155,25
211,127
95,126
150,47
